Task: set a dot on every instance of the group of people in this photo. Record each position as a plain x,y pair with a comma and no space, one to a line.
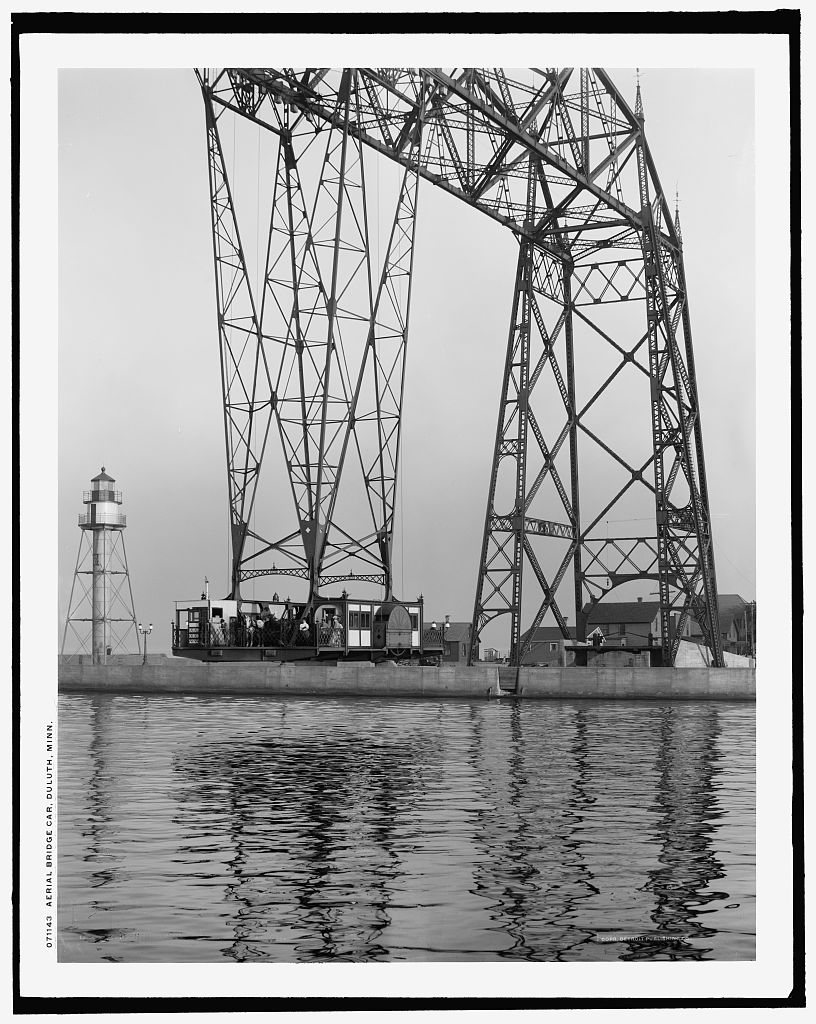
267,630
331,631
246,630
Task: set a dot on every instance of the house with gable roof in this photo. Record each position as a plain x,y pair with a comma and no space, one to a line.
548,648
455,640
737,625
622,629
625,623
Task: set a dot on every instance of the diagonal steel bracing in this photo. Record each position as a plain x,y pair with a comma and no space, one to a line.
324,355
599,423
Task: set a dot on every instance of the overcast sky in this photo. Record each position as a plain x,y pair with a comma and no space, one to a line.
139,386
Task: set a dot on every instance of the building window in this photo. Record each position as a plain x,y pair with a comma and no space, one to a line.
414,621
464,650
553,647
365,620
622,629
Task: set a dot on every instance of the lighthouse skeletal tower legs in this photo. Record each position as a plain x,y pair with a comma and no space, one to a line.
105,601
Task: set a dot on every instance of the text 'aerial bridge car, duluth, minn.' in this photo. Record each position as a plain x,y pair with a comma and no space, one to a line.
313,332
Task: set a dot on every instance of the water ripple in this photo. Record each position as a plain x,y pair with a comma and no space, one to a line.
216,828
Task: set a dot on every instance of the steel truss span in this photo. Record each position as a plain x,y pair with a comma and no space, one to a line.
599,384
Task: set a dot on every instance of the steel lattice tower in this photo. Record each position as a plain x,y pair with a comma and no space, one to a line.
316,350
100,609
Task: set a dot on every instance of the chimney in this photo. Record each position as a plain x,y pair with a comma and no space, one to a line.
640,600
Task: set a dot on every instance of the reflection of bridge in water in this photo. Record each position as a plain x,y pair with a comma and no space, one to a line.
572,836
574,819
532,870
366,830
688,807
313,829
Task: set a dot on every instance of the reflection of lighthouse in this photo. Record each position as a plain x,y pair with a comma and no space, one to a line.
108,604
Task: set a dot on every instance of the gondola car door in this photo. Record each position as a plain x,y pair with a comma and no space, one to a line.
398,632
196,618
378,629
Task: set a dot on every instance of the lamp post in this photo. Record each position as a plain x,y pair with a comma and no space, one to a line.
443,630
145,631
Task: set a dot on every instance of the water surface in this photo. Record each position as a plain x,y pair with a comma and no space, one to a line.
295,829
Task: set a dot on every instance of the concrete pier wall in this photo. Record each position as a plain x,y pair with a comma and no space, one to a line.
178,675
638,683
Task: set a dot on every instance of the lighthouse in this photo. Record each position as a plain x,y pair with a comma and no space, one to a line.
101,595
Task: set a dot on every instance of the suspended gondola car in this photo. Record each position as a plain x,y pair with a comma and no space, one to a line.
275,630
